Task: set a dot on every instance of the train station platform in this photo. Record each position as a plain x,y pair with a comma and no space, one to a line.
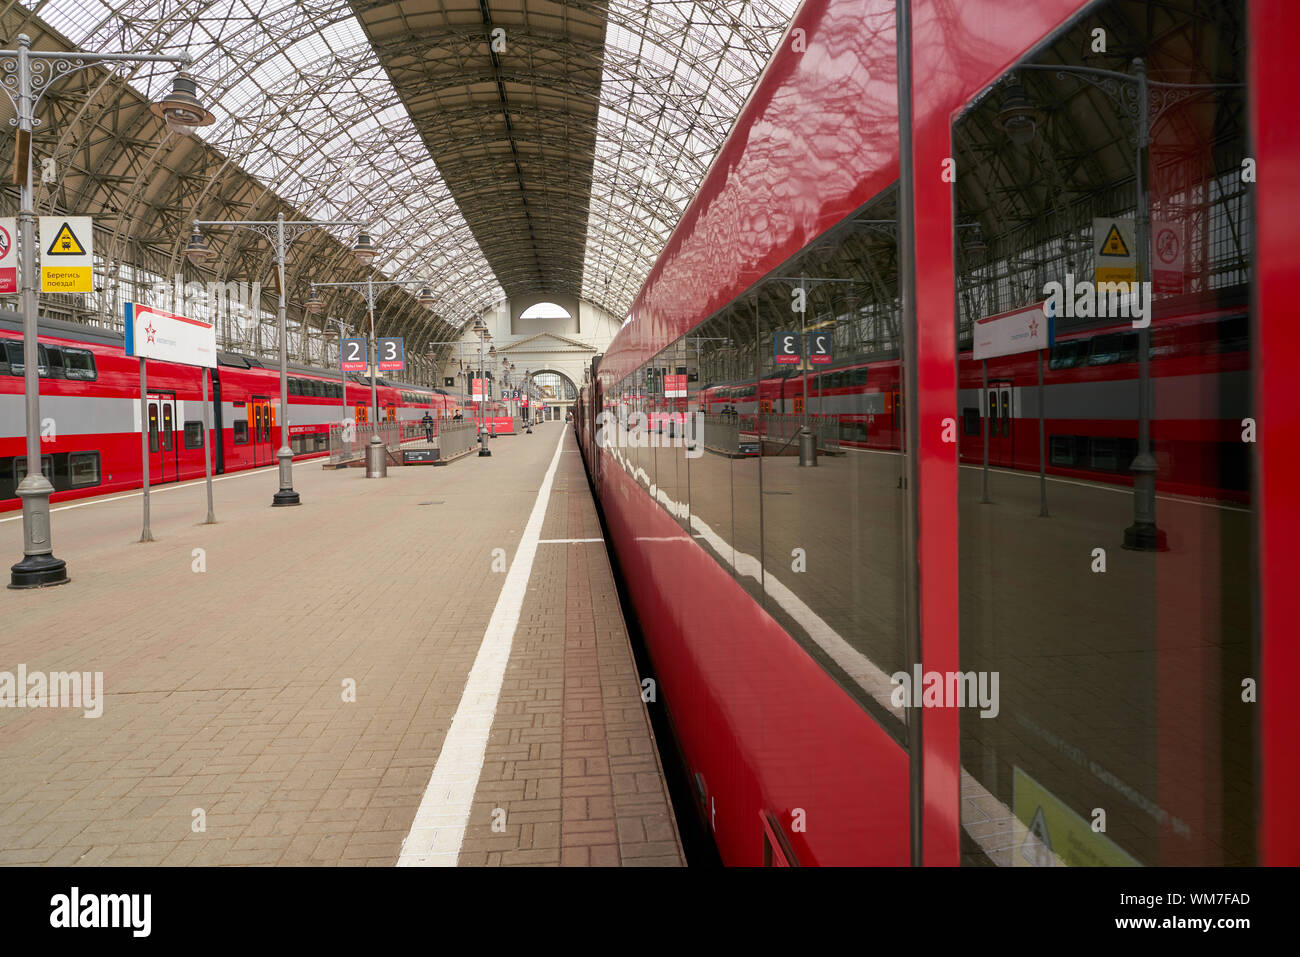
426,669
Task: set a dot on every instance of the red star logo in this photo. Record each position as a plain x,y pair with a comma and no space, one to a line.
1033,327
150,330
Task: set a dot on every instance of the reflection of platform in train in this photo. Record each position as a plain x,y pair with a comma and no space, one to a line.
1082,653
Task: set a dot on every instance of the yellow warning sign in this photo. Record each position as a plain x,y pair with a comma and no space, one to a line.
66,243
1047,832
1113,244
68,254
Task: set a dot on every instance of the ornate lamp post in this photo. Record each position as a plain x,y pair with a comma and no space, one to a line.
26,75
1143,101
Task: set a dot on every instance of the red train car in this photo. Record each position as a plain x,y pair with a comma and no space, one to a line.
90,408
881,659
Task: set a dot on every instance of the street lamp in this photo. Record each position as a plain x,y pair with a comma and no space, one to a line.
281,233
483,335
1143,106
26,75
365,252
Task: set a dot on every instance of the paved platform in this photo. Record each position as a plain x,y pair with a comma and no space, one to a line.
227,672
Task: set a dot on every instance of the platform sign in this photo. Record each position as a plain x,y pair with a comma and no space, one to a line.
67,252
821,348
8,255
155,334
1114,247
476,390
524,399
392,353
785,348
354,355
1020,330
675,386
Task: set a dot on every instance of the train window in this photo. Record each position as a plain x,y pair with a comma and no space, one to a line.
52,356
1063,450
241,431
194,435
970,421
1067,355
1143,718
80,364
295,386
16,365
168,426
153,426
20,468
83,469
859,378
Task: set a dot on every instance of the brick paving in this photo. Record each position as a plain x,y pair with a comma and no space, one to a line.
571,774
224,689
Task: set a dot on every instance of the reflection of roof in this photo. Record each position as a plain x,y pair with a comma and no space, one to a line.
558,161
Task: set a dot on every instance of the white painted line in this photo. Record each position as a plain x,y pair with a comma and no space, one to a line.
155,489
567,541
439,826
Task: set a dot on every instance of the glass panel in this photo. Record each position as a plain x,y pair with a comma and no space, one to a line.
193,435
79,364
1119,623
153,426
241,431
168,426
833,523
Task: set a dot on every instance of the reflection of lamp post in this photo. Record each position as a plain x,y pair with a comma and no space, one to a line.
281,233
26,76
481,328
426,298
1143,101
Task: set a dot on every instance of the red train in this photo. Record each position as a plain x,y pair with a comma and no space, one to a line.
90,410
1091,431
788,609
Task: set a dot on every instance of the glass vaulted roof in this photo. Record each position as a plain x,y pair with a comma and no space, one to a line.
336,107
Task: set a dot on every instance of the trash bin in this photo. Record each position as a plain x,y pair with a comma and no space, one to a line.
376,460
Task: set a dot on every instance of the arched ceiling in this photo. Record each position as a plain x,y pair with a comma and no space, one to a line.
557,163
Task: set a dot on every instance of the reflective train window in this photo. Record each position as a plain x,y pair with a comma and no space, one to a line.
1103,278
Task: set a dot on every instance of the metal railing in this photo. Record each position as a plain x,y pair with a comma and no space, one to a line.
722,434
348,442
455,437
783,429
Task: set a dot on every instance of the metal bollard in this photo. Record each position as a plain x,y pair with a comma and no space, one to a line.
376,460
807,448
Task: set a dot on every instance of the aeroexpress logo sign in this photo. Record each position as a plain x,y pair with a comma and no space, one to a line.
67,253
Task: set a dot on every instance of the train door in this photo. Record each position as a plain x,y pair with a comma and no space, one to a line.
163,454
999,414
262,426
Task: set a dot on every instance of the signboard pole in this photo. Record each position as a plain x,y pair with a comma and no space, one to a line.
806,365
145,534
207,444
1042,447
988,422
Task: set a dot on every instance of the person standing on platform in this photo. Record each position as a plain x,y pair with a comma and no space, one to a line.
427,422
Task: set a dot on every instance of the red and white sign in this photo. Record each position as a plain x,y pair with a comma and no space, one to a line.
154,334
524,401
675,386
1021,330
1168,259
8,256
476,390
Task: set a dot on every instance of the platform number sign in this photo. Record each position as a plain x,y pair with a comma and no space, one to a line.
821,348
354,355
392,353
786,348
